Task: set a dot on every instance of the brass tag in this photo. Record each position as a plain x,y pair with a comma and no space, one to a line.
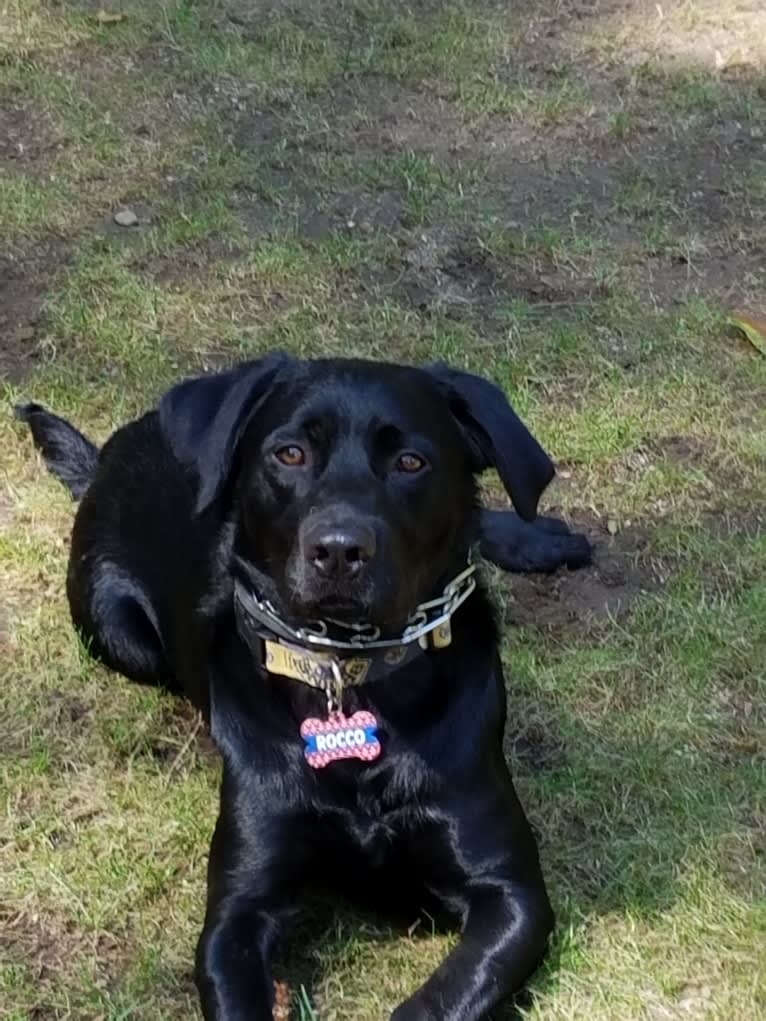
441,636
311,667
354,670
298,664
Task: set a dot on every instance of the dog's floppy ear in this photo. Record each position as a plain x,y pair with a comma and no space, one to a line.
203,419
497,436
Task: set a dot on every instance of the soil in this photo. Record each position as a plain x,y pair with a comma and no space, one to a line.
529,178
568,172
533,742
21,300
607,590
28,141
46,943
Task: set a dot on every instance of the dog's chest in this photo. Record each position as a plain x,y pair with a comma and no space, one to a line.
374,812
374,843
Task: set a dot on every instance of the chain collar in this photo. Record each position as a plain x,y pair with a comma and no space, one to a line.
427,617
308,654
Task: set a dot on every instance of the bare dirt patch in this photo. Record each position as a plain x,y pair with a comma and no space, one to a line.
314,215
618,192
688,451
28,139
450,270
185,725
21,300
671,199
357,210
372,116
357,123
605,591
532,740
191,264
723,37
45,944
671,169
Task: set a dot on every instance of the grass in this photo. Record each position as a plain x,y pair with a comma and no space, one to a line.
570,206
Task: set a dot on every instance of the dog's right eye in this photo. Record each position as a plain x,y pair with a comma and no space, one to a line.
291,455
410,463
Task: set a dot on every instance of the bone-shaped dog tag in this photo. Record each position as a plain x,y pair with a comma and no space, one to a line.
340,737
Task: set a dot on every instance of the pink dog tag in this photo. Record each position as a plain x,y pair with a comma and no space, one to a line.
340,737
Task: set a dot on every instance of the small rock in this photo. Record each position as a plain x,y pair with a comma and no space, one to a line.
126,218
612,527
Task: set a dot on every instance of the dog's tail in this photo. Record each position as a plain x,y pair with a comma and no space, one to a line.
69,455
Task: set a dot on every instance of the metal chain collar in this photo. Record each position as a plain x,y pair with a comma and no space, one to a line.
364,636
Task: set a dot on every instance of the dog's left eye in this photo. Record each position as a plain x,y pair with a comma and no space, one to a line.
410,463
291,455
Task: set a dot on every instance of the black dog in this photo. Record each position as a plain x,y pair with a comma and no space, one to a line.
289,544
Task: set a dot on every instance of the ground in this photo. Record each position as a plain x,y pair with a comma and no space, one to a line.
568,197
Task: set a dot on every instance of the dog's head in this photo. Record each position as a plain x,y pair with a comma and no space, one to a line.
351,483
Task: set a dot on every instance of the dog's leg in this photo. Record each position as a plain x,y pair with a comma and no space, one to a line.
233,971
481,861
521,546
116,619
250,880
504,938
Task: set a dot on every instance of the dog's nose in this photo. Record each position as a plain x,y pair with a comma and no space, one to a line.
339,551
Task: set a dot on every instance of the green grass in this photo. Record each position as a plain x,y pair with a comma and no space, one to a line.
31,207
541,205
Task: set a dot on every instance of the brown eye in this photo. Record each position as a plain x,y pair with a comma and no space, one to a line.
291,455
410,463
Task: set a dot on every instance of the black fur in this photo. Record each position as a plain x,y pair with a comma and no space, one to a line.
342,489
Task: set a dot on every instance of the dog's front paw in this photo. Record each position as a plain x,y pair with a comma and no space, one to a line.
558,546
543,545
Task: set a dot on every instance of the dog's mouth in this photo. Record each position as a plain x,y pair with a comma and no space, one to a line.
341,608
351,613
358,603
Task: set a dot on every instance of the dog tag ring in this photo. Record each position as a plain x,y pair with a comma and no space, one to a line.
340,737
